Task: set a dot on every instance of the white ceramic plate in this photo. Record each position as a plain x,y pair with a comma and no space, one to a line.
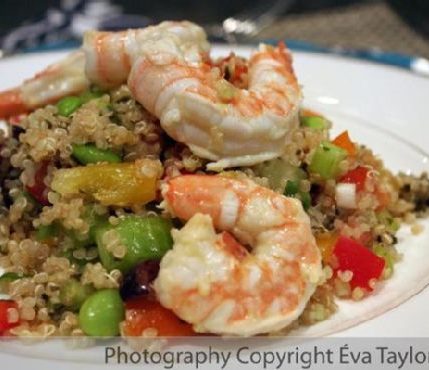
382,107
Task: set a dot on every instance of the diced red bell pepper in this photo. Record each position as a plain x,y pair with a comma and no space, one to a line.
356,176
5,305
354,257
38,190
144,313
343,141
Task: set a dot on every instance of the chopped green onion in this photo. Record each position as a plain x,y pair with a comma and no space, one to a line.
79,263
292,187
73,294
45,232
7,278
292,190
90,95
392,224
29,197
326,160
89,153
383,252
10,276
305,199
278,172
314,122
68,105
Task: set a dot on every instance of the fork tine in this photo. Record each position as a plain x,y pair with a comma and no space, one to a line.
250,22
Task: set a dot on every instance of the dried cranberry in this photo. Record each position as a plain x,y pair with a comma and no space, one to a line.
137,282
38,189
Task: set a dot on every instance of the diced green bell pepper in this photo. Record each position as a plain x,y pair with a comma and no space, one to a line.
326,160
314,122
143,237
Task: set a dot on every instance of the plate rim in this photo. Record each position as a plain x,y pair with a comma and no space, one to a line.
250,47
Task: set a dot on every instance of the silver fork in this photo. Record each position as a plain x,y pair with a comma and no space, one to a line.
246,25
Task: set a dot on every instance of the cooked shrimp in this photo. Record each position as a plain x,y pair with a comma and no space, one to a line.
217,121
212,281
106,60
60,79
110,56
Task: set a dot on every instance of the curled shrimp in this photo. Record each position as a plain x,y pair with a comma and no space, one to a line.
105,59
217,121
212,281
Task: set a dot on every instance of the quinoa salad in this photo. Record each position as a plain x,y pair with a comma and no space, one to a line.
119,219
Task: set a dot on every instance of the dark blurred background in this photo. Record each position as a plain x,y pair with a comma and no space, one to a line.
390,25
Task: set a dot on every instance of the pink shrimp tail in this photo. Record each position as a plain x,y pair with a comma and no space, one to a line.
11,103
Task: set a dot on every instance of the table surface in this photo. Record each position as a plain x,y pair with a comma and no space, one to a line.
356,26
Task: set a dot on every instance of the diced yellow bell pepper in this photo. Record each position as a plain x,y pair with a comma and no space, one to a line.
326,242
119,184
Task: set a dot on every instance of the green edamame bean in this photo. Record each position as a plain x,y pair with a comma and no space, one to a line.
101,313
68,105
89,153
144,238
73,294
